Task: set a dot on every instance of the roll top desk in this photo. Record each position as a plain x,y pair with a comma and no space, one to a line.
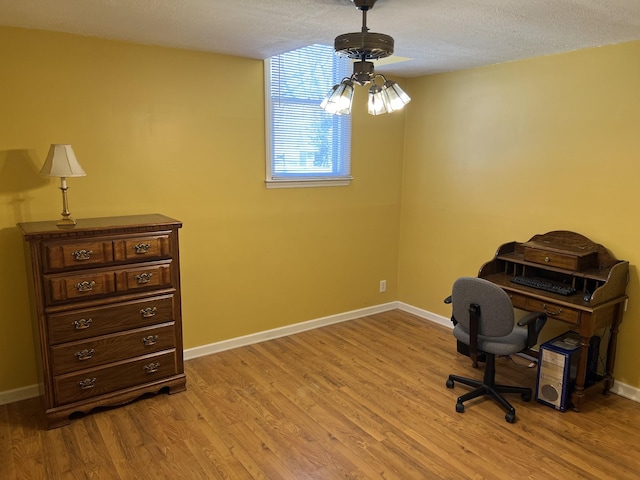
594,285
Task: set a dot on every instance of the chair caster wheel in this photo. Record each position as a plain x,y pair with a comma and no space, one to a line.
459,407
526,397
449,383
510,417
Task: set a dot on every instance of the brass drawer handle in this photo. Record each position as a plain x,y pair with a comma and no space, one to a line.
151,367
80,255
85,286
547,259
148,312
143,278
150,340
84,354
142,248
87,383
550,312
82,323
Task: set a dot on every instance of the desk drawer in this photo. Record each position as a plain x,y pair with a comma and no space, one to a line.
552,310
565,261
518,301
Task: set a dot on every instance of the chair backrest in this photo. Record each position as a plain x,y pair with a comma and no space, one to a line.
496,310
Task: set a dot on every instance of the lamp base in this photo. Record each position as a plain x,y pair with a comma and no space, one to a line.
66,222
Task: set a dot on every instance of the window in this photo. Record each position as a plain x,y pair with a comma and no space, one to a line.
306,146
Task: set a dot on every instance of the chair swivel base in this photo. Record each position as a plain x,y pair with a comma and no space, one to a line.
490,390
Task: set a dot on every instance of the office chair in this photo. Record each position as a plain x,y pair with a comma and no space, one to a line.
484,320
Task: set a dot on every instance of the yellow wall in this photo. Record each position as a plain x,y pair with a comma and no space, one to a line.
504,152
480,157
182,133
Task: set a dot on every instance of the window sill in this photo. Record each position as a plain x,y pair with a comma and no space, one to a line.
305,183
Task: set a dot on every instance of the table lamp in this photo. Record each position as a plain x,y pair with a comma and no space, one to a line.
62,162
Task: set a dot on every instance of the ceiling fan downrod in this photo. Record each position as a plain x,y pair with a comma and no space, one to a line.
364,45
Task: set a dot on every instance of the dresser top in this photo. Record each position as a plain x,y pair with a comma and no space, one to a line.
88,226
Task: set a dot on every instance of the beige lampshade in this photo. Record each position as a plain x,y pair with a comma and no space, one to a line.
61,162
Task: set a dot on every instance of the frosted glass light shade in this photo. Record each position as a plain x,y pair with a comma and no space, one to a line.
338,100
397,97
378,101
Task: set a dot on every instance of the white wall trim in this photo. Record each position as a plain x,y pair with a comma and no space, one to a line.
258,337
432,317
626,391
19,394
24,393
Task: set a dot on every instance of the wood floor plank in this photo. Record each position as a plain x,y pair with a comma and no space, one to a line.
7,467
363,399
310,417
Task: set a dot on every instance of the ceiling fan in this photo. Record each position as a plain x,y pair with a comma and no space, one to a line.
364,46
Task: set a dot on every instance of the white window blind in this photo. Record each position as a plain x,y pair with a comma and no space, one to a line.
306,146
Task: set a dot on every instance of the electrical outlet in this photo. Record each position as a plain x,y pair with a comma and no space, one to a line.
383,286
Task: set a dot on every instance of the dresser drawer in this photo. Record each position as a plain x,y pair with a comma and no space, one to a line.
558,312
61,256
74,287
75,356
142,248
92,322
115,376
157,275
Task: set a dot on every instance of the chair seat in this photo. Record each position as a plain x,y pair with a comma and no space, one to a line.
515,342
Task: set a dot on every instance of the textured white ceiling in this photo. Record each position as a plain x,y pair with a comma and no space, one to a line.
437,35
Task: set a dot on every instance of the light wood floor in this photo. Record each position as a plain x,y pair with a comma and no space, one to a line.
363,399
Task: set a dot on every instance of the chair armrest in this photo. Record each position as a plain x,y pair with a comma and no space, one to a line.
453,319
534,322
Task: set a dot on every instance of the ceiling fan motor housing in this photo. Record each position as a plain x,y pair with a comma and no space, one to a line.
364,45
364,4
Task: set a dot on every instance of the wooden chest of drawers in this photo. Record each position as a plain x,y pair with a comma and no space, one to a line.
107,312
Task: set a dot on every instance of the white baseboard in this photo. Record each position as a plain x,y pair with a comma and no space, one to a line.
626,391
284,331
10,396
432,317
19,394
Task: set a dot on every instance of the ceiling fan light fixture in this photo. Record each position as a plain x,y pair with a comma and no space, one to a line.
396,95
338,101
378,101
364,46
